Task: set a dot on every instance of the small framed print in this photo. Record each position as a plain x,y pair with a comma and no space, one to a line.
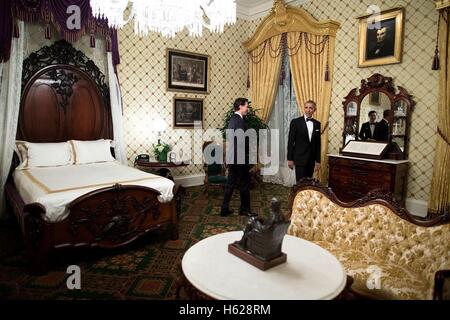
187,71
187,111
374,98
380,38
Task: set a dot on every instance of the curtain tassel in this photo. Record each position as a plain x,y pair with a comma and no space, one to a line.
108,44
48,32
249,70
92,40
92,25
16,33
436,63
327,73
327,67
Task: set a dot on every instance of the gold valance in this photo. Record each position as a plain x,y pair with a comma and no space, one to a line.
284,19
441,4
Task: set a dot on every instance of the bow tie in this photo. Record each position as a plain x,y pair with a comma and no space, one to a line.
309,119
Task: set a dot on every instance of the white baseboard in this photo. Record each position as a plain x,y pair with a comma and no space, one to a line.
417,207
191,180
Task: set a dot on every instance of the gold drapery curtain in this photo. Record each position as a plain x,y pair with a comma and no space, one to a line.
440,184
311,58
265,63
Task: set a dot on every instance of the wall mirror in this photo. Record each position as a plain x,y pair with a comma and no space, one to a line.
378,111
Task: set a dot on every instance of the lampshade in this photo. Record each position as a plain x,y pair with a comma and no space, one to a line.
158,125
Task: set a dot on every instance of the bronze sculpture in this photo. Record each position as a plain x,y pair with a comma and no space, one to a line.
262,240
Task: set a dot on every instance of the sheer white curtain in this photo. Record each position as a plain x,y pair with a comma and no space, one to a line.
116,112
284,110
10,87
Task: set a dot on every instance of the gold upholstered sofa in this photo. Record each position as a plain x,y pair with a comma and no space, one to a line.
387,252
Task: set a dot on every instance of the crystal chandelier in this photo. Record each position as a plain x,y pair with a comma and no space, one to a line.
168,17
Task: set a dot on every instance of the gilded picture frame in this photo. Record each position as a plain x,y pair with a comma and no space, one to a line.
380,38
187,71
374,98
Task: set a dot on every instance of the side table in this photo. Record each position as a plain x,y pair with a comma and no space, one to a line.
310,273
161,168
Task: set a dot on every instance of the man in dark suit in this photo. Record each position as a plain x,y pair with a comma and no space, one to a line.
303,150
382,127
367,131
238,162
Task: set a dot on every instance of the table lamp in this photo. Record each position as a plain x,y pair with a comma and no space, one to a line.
159,125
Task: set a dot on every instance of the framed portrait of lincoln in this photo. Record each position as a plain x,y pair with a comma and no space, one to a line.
380,38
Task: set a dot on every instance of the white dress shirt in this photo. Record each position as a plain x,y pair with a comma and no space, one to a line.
372,128
310,126
237,112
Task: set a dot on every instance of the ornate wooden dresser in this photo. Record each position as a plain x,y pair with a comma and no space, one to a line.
352,178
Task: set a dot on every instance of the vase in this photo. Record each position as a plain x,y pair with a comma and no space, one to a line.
162,157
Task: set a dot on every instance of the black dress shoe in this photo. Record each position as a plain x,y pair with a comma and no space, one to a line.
226,212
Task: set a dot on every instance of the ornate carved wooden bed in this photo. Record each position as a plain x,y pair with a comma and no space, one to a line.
64,97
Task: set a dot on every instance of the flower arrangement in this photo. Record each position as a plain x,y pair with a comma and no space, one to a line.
160,151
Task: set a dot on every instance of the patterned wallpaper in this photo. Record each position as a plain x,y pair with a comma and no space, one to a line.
414,74
142,74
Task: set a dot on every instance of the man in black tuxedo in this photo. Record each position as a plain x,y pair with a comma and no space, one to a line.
367,131
303,150
238,172
382,127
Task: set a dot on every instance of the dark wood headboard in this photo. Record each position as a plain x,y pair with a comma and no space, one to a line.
64,96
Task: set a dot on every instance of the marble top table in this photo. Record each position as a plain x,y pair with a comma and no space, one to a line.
310,273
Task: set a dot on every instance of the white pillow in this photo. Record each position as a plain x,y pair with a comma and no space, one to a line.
44,154
91,151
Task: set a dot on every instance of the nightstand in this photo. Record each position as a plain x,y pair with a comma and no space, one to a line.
161,168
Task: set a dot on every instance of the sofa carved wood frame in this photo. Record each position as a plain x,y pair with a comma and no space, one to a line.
378,196
65,90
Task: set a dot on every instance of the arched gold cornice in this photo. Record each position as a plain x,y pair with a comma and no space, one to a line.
441,4
289,19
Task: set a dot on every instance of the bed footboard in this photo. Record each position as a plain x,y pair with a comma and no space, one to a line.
109,218
114,216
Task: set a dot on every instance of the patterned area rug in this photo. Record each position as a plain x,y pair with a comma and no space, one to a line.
148,269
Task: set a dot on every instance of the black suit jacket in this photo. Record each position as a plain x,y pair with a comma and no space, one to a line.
365,132
382,131
300,149
237,146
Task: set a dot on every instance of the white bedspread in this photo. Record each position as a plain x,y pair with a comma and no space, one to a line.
56,187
